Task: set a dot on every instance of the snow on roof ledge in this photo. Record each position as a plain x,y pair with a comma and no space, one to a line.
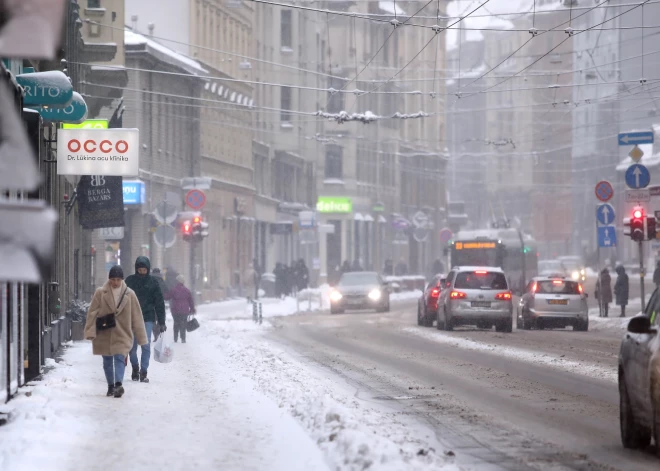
132,38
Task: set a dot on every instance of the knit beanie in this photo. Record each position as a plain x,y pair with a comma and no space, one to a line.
181,279
116,272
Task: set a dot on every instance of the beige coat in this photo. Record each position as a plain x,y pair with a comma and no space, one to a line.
117,340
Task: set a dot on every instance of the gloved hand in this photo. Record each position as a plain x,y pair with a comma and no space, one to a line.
163,327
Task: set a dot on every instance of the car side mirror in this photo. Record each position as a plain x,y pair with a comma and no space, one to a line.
640,325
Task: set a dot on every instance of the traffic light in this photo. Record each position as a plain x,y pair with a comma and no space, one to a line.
637,225
200,229
186,231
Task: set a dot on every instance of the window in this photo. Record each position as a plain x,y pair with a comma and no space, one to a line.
93,3
335,100
286,38
285,103
479,280
333,163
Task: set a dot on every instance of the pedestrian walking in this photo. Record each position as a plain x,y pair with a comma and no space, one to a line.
153,309
114,322
163,288
621,289
302,275
280,283
604,291
656,275
182,305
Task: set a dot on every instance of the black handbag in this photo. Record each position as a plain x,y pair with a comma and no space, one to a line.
108,321
192,324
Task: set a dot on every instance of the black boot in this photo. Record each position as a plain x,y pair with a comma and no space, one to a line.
143,377
111,390
119,390
135,375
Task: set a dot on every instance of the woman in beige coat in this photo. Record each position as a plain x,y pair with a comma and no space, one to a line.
115,343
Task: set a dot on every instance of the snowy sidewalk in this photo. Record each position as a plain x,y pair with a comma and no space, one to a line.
195,414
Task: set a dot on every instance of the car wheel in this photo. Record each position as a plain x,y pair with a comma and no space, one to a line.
419,315
449,325
504,326
526,322
440,325
336,311
633,435
581,326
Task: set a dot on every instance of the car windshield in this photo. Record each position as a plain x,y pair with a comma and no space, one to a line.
571,264
557,287
480,280
358,279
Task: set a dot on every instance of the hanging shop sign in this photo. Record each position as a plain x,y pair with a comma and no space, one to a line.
98,152
74,112
51,88
334,204
134,192
88,124
100,201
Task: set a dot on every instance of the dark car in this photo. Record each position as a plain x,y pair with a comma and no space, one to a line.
360,290
639,378
427,306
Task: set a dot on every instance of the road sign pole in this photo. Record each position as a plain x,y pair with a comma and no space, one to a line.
600,291
641,273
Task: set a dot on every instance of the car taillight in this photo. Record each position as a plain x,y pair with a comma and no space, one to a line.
580,289
534,288
503,296
457,295
435,292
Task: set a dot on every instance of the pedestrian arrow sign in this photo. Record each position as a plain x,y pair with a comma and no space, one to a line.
605,214
606,236
635,138
637,176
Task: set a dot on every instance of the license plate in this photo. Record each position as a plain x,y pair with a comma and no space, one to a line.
354,302
562,302
480,304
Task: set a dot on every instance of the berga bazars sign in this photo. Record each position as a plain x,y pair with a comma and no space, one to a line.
114,152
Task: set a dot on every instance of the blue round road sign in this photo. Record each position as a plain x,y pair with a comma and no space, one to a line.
445,235
637,176
196,199
605,214
604,191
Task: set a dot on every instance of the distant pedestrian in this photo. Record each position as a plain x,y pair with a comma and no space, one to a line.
113,343
280,283
656,275
182,305
621,289
345,267
604,291
164,289
153,309
302,275
401,268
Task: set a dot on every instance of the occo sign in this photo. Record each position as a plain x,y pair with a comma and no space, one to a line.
98,152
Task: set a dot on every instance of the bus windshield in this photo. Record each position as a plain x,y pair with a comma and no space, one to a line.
481,254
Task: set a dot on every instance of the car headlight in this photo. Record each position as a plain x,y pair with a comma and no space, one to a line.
335,296
575,275
374,294
582,272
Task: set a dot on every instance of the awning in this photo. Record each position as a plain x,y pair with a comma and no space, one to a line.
52,88
358,217
368,218
74,112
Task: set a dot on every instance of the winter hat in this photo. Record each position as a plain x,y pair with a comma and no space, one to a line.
116,272
181,279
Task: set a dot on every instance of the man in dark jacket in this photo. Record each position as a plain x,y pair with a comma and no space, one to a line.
153,308
163,288
621,289
604,292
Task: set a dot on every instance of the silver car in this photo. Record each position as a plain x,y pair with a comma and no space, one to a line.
478,296
360,290
553,302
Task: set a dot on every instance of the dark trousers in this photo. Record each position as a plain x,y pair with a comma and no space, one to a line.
180,326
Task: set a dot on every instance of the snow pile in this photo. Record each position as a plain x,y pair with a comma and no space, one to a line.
555,361
351,434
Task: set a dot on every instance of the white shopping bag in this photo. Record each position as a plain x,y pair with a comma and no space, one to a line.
163,351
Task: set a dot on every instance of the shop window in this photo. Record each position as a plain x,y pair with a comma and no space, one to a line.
334,163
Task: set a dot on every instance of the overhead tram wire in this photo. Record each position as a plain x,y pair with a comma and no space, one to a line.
555,47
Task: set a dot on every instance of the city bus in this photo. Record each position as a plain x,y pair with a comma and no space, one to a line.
508,249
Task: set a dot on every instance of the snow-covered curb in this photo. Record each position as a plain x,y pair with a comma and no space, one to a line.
529,356
352,435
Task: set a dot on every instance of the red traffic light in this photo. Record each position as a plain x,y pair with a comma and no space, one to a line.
638,213
186,228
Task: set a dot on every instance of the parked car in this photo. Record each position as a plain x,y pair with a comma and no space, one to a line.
427,306
478,296
553,302
639,378
360,290
574,267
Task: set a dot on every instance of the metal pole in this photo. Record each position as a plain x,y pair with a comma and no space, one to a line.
192,270
641,272
600,290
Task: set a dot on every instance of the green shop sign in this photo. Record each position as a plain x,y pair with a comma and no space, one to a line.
89,124
51,88
74,112
334,204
